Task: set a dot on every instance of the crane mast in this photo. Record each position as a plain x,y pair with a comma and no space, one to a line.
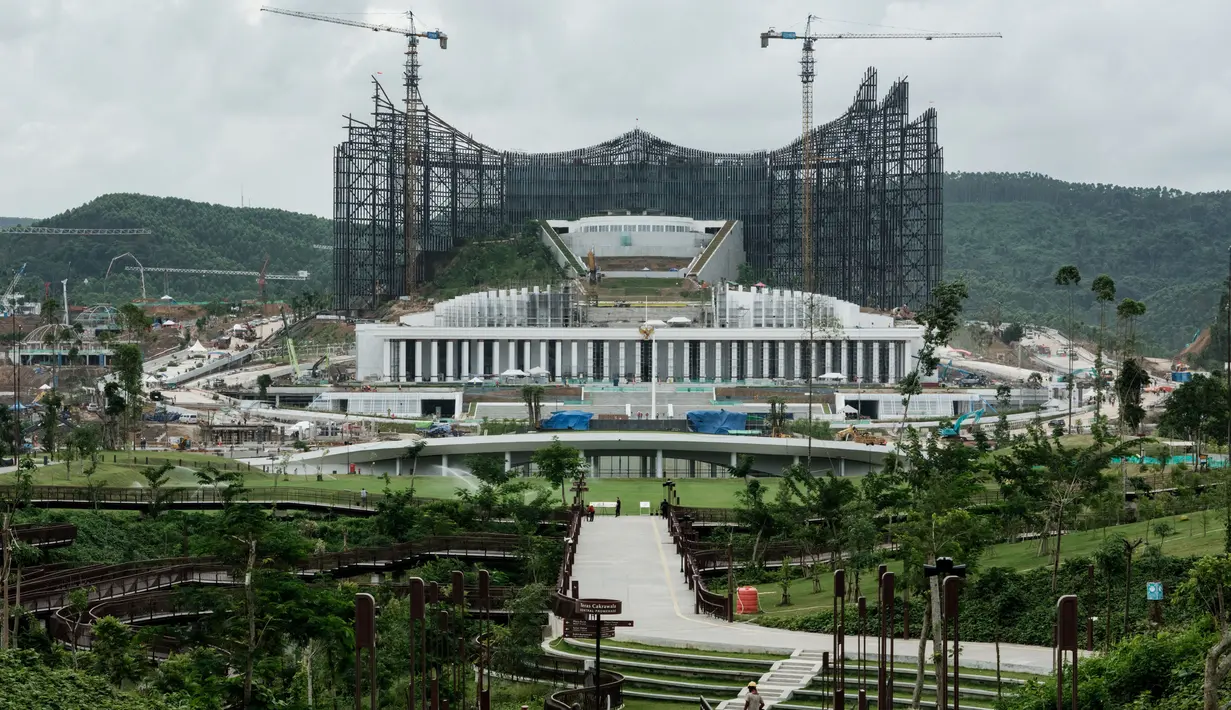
410,127
807,75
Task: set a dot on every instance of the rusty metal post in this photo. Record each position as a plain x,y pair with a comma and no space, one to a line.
862,606
418,613
730,586
952,595
365,637
839,592
457,587
884,672
485,604
825,677
1066,640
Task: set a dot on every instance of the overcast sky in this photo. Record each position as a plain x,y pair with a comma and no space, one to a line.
198,98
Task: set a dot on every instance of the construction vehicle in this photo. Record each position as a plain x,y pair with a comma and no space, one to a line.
290,351
955,431
807,74
860,437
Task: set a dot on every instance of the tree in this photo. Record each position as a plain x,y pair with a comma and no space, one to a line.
940,319
1055,477
1130,383
1104,289
49,421
559,464
263,382
777,416
532,395
156,478
133,320
115,652
1067,277
1001,434
1012,333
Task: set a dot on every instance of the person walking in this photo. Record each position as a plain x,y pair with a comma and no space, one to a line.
753,700
363,497
617,514
590,513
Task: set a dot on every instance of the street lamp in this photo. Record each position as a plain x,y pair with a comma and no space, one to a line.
951,576
647,334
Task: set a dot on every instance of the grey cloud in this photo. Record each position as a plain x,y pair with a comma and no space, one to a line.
196,97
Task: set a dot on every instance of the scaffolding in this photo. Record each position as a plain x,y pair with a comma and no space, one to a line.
876,199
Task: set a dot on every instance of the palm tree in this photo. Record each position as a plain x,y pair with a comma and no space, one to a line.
1067,276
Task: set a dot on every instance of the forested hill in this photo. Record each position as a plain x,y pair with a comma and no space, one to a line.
186,234
14,221
1006,234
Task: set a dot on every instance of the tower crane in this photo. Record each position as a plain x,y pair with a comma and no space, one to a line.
807,72
410,79
6,301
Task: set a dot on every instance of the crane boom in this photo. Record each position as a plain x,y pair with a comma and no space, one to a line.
62,231
437,34
807,73
411,128
219,272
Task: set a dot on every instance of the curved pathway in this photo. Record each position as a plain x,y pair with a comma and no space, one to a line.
632,559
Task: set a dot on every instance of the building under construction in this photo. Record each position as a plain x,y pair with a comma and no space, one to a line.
876,201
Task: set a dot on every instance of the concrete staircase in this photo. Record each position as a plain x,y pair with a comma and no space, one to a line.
783,678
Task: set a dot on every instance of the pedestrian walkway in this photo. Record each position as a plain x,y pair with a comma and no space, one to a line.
783,678
632,559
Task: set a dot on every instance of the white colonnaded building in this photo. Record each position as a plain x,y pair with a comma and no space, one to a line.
741,334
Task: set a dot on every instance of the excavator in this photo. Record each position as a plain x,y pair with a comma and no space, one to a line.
860,437
955,431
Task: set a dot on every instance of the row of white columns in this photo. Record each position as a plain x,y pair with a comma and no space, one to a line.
458,359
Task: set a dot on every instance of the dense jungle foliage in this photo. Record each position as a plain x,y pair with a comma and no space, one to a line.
186,234
1006,233
283,640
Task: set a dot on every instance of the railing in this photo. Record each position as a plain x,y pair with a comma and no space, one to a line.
45,589
684,538
562,602
43,535
350,502
608,695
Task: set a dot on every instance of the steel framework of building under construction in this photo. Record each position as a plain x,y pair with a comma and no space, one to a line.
876,202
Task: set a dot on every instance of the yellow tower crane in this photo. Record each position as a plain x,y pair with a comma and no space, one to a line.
807,72
410,78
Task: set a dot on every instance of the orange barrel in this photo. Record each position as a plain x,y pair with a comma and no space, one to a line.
746,600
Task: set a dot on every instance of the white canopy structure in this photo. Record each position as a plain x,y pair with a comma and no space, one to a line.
679,320
513,373
476,380
44,387
539,371
197,347
832,376
655,323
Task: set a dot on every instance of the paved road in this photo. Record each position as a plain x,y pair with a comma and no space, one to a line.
631,558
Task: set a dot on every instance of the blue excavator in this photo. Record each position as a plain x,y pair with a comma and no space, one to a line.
955,431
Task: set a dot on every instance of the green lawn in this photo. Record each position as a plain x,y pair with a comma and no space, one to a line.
805,601
1189,538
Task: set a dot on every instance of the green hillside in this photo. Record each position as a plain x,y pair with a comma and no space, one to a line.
14,221
1006,234
186,234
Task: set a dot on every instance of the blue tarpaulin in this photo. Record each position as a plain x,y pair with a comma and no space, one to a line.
577,421
716,421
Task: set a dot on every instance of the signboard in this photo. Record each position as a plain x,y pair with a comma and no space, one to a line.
1154,591
645,507
587,630
599,606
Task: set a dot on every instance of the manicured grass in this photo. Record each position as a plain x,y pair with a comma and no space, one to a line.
1189,539
693,492
805,601
647,704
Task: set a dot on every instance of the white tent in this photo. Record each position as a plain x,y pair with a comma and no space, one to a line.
655,323
848,409
166,298
169,322
197,347
679,320
476,380
44,387
513,373
832,376
239,326
539,371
